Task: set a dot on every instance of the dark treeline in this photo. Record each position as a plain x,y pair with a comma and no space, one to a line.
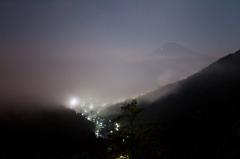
38,131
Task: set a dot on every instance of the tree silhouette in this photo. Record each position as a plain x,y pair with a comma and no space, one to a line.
121,141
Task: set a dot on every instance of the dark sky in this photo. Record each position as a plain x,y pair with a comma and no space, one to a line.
64,48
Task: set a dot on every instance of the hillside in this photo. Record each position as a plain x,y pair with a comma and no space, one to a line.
219,80
202,116
167,64
197,117
31,130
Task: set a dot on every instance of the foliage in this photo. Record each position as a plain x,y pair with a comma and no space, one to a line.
132,112
121,142
210,129
135,142
31,131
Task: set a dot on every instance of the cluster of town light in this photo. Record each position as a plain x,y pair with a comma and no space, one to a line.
84,106
89,108
88,104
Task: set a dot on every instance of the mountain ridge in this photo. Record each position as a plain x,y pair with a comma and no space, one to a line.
220,75
170,93
197,117
174,49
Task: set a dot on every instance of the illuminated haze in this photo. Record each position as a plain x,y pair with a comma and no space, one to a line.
64,49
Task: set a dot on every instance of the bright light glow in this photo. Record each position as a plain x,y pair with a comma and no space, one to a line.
73,102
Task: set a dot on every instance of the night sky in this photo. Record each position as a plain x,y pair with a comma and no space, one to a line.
61,48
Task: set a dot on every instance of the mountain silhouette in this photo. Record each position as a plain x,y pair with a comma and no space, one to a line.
174,49
173,62
200,115
197,117
221,79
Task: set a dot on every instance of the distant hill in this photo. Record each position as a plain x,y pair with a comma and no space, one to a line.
176,62
181,56
173,49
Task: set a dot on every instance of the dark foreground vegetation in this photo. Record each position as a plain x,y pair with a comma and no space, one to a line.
37,131
199,119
